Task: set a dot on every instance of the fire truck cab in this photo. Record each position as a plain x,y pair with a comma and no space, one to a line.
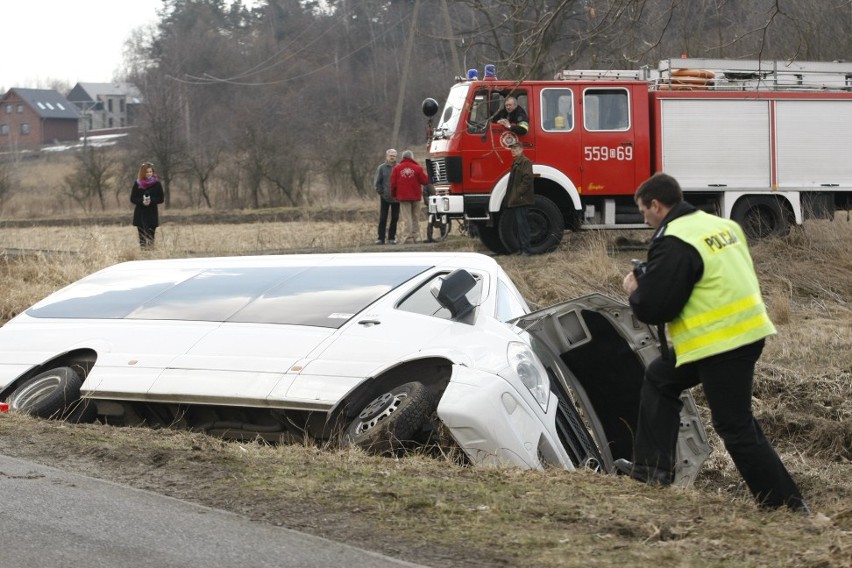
765,143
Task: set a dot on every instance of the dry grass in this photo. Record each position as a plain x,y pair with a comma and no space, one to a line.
431,510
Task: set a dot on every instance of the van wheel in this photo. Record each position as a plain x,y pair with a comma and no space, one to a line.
53,394
546,227
392,421
762,217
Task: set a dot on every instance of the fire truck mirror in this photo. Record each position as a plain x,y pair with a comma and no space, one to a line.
430,107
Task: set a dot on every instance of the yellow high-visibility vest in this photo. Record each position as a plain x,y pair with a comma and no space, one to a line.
725,310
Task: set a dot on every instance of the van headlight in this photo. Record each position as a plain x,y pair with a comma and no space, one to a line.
530,370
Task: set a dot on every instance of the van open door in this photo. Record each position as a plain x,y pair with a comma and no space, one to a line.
597,352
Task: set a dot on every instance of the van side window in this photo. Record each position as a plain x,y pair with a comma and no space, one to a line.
557,110
606,109
421,301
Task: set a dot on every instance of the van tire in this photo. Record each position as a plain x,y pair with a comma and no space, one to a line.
53,394
393,421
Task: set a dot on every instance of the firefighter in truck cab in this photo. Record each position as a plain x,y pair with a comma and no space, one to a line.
512,117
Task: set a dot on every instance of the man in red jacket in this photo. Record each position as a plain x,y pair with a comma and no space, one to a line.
407,181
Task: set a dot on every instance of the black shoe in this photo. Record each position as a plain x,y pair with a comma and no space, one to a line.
799,506
643,473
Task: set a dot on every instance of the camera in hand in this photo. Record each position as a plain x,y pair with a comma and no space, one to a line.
639,267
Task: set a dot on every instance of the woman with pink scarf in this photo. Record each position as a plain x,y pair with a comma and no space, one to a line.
146,194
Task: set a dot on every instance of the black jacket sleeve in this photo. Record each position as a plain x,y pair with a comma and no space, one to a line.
672,270
136,194
521,122
157,193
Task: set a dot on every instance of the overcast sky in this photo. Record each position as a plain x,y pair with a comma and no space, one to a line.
70,40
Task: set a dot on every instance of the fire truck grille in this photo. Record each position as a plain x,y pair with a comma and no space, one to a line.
438,169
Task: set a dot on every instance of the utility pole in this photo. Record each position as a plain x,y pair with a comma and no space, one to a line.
449,24
406,64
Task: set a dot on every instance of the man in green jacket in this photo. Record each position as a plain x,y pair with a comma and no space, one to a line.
700,280
520,195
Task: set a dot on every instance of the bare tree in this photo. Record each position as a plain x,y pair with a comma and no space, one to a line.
202,164
7,183
759,29
93,176
351,155
161,131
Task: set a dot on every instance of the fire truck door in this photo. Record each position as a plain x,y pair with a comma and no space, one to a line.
486,144
608,136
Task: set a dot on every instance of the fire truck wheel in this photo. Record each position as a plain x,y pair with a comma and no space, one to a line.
546,227
490,237
762,217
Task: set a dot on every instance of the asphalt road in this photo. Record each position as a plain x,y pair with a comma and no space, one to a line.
50,518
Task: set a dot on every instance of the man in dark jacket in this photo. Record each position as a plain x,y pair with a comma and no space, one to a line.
700,280
512,117
386,202
520,195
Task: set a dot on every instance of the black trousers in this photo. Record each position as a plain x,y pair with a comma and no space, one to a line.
146,236
522,227
383,219
727,380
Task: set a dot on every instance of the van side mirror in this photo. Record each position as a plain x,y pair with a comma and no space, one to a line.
451,292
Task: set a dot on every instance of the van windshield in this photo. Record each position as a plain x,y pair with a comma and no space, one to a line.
452,111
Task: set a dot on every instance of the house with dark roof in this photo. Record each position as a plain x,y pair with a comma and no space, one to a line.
33,117
105,105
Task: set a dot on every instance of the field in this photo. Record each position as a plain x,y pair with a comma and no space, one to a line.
429,510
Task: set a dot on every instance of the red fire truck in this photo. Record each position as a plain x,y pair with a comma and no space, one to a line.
767,143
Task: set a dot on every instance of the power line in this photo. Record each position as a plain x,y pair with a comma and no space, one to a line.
208,79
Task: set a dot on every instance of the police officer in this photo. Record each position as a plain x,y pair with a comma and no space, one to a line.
700,280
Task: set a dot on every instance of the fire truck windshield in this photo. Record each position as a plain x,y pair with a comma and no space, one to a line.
452,112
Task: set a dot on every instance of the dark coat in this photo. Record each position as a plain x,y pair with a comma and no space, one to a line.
146,216
668,278
383,177
519,189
